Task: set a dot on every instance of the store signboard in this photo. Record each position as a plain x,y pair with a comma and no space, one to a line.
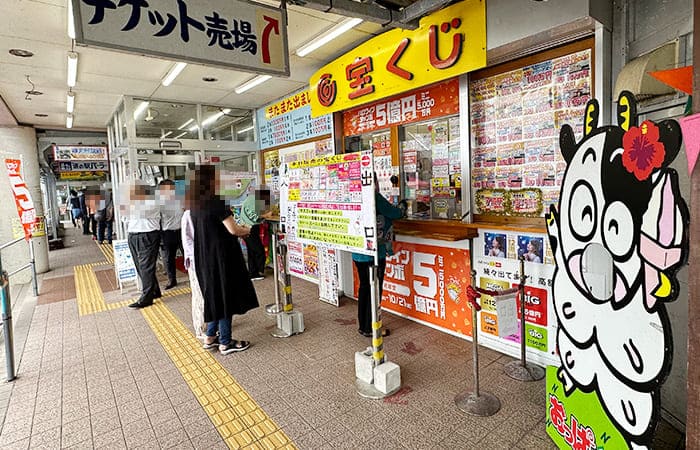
330,200
18,228
447,43
79,153
81,176
428,283
82,166
289,120
235,34
438,100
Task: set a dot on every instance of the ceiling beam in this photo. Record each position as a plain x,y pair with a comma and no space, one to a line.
370,12
421,8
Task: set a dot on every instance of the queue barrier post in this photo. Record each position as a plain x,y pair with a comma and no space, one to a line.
289,321
6,309
476,402
274,308
521,370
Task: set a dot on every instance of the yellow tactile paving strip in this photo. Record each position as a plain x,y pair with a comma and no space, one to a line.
89,294
239,420
107,251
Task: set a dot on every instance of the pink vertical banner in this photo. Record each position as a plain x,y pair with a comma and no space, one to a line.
23,200
691,138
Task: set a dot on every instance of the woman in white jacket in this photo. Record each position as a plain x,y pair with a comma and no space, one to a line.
187,230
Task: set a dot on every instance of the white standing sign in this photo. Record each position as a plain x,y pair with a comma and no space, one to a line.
330,200
123,263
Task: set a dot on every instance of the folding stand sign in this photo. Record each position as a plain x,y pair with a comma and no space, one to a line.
124,268
521,370
289,321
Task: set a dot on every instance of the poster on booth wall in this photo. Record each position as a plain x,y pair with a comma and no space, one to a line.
497,266
330,200
427,283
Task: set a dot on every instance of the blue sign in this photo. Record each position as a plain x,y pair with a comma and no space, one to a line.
291,126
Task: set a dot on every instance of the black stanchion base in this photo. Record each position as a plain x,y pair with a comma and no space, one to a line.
486,404
528,372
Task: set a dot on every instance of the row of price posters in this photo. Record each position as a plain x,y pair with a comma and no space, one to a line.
516,118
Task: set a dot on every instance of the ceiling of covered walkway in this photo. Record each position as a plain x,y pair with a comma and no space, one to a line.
40,27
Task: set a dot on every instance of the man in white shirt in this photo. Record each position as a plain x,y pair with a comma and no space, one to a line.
144,240
171,218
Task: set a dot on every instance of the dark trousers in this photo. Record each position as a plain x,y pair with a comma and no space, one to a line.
364,299
86,223
144,251
101,227
256,252
171,240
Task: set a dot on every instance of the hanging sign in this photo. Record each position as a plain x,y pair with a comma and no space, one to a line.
82,166
239,34
448,43
79,153
426,103
289,120
23,199
330,200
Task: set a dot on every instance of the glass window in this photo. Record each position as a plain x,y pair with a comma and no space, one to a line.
121,123
165,120
227,124
431,166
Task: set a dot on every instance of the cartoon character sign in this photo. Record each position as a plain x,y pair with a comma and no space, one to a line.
619,235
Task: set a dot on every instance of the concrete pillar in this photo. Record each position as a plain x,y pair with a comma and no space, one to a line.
692,430
20,143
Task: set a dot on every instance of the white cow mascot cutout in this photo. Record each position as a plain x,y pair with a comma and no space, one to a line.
619,236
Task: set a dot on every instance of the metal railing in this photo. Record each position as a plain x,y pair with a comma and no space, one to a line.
6,304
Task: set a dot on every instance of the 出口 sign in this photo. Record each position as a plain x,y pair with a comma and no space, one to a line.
240,34
448,43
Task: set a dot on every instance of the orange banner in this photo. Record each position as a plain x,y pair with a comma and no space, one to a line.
23,200
427,283
438,100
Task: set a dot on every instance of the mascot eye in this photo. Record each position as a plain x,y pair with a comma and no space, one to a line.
618,231
583,211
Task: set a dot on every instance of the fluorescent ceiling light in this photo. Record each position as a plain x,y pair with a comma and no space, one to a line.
327,36
245,129
250,84
70,102
72,68
192,128
71,20
69,121
211,119
185,124
166,134
140,109
180,135
173,73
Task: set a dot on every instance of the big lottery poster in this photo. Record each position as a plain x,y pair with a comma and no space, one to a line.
330,200
497,266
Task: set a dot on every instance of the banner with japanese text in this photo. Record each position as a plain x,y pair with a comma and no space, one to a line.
23,199
235,34
330,200
80,153
497,265
289,120
438,100
427,283
448,43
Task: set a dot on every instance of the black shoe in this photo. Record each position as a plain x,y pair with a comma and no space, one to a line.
257,277
171,285
365,333
138,305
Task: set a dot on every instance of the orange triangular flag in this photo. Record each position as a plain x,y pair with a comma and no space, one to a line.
680,78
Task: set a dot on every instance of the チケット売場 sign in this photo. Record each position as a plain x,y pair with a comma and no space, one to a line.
236,33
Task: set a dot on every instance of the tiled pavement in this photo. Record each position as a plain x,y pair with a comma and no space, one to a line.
120,378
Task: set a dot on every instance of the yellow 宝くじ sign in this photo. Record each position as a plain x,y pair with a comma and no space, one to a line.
448,43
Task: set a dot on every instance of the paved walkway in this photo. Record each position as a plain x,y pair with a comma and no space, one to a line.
96,374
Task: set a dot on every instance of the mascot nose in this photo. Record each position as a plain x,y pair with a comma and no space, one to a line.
597,271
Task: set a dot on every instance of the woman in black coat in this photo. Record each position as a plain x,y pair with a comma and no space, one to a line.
219,262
